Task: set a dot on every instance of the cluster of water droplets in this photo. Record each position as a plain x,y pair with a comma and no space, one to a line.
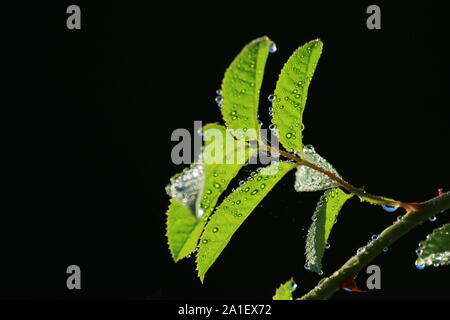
248,190
307,179
219,98
186,186
371,241
190,255
432,259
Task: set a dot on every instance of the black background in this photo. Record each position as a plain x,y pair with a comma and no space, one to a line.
95,109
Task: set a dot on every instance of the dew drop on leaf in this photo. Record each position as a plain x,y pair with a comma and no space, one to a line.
271,98
432,219
215,229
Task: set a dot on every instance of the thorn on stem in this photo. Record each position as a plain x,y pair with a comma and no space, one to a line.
350,285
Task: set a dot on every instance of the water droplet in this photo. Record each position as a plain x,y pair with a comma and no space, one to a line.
306,267
420,266
216,185
432,219
320,272
272,127
385,249
272,48
327,246
374,237
204,241
254,192
188,256
419,252
208,191
435,265
247,189
361,250
314,218
219,99
219,92
271,98
293,286
238,202
288,135
215,174
215,229
263,185
421,245
241,183
389,208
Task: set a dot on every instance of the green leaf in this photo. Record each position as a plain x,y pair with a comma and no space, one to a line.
180,226
307,179
284,291
199,187
241,86
233,211
291,92
435,249
324,217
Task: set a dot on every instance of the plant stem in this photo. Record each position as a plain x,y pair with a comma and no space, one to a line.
363,195
421,212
